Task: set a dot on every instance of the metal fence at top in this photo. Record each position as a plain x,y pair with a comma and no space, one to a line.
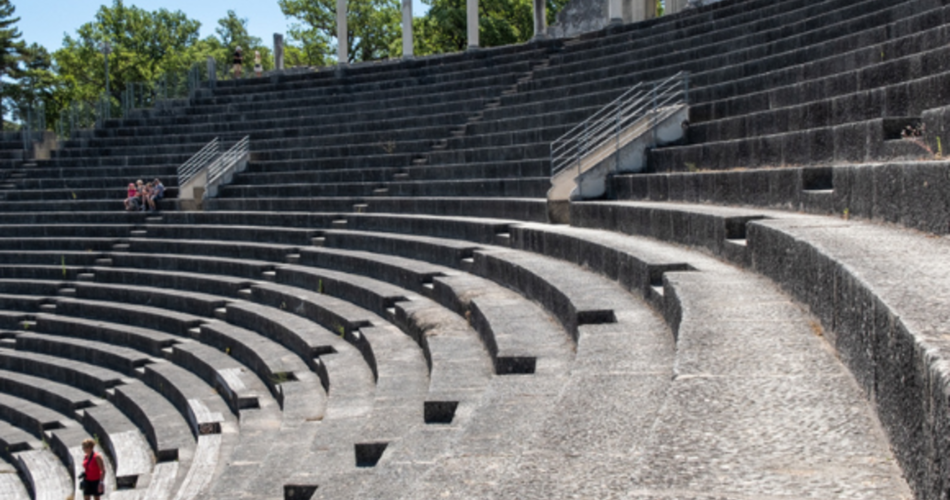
640,101
33,123
135,96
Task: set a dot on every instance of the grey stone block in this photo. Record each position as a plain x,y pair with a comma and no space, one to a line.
926,191
888,192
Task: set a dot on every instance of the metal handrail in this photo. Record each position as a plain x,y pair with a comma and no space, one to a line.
229,160
199,161
641,100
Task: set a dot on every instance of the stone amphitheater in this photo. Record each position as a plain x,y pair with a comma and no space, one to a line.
379,307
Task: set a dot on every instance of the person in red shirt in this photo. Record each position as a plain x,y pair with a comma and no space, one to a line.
93,471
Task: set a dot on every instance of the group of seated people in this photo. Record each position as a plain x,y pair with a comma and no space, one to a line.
142,197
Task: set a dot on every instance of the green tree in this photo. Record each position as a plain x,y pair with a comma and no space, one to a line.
38,86
144,44
501,22
13,50
373,27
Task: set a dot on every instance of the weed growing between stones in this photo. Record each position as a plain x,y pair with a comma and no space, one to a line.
916,134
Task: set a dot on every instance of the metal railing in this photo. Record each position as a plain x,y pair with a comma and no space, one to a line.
199,161
83,115
232,161
640,101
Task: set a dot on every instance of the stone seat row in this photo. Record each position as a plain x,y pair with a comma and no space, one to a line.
657,284
358,79
539,89
41,405
877,324
139,259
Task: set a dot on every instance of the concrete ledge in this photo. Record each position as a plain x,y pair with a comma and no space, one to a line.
913,194
887,342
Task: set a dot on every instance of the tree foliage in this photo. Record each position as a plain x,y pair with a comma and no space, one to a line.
145,45
13,50
375,30
372,25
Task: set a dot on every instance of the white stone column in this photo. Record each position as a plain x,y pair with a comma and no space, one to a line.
342,34
615,11
540,19
472,21
407,28
674,6
278,51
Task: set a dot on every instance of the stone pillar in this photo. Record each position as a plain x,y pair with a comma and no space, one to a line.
615,11
635,11
674,6
540,19
278,51
407,28
472,21
342,34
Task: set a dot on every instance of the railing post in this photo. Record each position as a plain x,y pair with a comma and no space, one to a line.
686,87
212,73
653,118
617,146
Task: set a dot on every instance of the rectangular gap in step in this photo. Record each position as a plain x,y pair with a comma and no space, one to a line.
323,350
439,412
249,403
515,365
299,491
52,426
126,482
818,179
896,128
282,377
209,428
596,317
369,454
736,226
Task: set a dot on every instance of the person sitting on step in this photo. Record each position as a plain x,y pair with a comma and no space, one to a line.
158,192
142,195
131,199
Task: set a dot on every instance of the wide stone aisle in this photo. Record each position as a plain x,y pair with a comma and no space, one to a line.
756,406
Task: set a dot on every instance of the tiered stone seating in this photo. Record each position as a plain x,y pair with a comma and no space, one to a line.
376,308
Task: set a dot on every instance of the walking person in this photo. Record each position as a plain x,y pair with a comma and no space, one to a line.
238,60
258,69
93,474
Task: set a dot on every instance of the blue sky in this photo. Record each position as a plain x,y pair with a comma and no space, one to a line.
46,21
